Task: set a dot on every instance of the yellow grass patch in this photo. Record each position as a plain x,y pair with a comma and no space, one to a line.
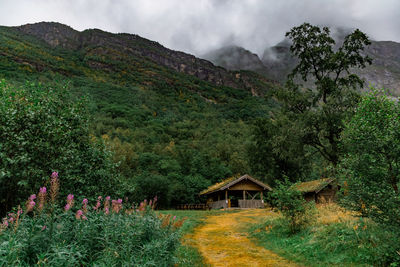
222,240
333,213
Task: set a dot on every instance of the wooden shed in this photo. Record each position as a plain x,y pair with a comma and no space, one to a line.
240,192
320,191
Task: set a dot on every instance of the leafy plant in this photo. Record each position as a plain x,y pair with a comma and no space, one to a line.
41,130
297,212
370,169
109,233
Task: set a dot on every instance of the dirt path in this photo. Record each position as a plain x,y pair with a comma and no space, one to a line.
223,241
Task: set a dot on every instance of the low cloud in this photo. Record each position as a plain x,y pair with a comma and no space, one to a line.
199,26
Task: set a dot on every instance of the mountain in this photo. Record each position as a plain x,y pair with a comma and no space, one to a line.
277,62
236,58
123,47
176,123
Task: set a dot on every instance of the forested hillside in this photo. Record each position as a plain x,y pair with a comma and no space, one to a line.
175,123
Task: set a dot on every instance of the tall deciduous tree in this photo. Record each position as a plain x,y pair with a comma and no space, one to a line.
320,94
322,109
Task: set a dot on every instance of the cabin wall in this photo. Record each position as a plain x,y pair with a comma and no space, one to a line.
246,185
251,203
309,196
222,204
328,194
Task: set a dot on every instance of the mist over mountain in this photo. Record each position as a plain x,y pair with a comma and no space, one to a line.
277,61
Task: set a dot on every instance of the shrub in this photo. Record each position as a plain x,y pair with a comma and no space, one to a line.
371,167
41,131
109,233
297,212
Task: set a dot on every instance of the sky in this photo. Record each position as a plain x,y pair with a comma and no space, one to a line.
198,26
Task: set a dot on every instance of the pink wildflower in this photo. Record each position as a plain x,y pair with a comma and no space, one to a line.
98,204
84,205
78,214
32,197
30,205
70,202
117,205
84,217
44,227
107,205
42,197
54,186
174,218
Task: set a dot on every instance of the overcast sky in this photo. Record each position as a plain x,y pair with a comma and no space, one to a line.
196,26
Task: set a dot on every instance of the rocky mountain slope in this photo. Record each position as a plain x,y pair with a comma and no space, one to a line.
277,62
121,47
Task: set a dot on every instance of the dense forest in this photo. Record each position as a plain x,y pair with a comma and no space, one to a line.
99,114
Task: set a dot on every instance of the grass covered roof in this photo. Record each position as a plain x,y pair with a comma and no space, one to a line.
313,186
224,184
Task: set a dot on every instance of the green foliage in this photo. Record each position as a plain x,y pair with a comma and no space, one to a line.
166,129
297,212
42,131
344,244
58,238
310,118
371,167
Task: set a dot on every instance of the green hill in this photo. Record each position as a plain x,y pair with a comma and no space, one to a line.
176,123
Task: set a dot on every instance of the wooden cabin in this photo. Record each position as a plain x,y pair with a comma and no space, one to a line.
320,191
240,192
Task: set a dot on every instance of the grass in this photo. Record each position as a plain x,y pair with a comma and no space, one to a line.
338,237
187,254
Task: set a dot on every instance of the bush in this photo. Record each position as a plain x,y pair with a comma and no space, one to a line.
297,212
109,234
371,167
40,130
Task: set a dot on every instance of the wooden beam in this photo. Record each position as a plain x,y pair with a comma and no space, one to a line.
244,194
226,194
261,195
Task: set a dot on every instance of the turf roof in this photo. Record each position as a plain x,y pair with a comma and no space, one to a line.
231,181
313,186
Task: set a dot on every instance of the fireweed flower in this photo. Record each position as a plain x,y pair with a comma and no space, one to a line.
67,207
54,186
107,205
84,205
30,204
117,205
78,214
70,202
98,204
42,197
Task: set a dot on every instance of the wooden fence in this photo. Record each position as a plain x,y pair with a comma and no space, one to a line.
251,203
192,207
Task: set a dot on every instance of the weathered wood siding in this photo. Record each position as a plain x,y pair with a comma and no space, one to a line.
222,204
328,194
251,203
246,185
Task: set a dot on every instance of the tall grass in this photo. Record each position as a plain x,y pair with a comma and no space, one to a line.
338,237
107,233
